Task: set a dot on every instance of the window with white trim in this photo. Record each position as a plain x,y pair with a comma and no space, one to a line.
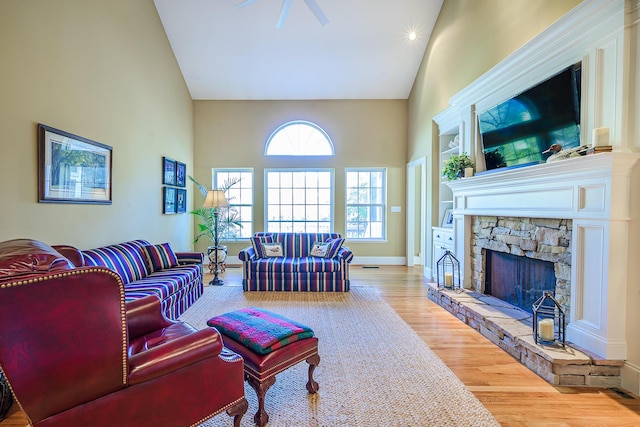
299,138
299,200
238,184
365,203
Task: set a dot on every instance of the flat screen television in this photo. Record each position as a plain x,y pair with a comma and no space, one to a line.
517,131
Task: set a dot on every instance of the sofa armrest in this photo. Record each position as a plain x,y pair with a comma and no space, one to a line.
345,254
176,354
71,253
247,254
190,257
145,315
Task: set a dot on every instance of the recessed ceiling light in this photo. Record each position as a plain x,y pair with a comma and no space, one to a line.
412,35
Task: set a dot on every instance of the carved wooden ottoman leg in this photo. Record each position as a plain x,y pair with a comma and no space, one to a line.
312,385
237,411
261,417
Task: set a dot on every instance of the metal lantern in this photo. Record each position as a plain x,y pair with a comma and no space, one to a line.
549,324
448,271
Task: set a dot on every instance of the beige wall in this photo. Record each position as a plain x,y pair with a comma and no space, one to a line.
469,38
103,70
364,133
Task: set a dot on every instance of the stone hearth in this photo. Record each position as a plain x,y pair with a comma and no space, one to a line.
510,329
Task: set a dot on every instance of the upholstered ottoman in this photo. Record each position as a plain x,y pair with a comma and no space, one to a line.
269,344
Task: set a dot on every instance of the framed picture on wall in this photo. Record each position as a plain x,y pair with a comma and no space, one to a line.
169,197
181,174
447,218
72,169
168,171
181,201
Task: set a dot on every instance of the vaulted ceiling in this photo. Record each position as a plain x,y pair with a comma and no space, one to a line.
234,50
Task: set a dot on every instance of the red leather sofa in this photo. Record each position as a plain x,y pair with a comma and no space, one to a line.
76,354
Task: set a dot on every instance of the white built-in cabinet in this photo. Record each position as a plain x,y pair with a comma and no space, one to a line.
600,193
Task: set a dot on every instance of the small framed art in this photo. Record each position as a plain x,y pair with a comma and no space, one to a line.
181,201
72,169
447,218
169,196
181,174
168,171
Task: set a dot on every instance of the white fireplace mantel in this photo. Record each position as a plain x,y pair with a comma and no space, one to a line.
594,191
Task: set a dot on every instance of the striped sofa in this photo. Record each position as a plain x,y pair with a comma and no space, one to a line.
295,268
177,287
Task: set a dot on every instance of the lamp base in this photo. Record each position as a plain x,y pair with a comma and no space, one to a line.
216,282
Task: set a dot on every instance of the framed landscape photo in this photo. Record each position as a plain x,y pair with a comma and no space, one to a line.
447,219
168,171
169,196
72,169
181,174
181,201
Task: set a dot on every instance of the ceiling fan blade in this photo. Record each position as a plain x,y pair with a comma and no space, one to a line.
320,16
245,3
286,5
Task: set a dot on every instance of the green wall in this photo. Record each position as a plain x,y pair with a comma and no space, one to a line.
103,70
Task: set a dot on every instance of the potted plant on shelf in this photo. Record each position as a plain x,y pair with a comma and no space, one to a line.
455,165
227,226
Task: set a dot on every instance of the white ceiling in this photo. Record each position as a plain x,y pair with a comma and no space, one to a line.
232,53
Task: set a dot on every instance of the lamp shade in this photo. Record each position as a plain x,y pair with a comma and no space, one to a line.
215,199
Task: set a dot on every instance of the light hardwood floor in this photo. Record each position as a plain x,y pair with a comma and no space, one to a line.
514,395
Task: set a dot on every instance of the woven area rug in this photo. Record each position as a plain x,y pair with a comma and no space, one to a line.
374,369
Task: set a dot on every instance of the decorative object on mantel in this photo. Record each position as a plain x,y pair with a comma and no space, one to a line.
600,141
455,165
560,154
549,323
455,142
448,272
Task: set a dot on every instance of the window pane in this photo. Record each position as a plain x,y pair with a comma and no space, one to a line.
365,203
303,206
299,138
238,186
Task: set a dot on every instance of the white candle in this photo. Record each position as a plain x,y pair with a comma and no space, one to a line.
545,329
448,279
600,137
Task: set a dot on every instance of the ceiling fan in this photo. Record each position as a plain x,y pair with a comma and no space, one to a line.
286,5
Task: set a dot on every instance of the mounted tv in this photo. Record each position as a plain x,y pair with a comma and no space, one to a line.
517,131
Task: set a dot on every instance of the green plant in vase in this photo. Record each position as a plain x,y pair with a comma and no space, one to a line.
228,225
455,165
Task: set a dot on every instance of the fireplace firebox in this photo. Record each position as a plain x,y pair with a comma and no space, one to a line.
518,280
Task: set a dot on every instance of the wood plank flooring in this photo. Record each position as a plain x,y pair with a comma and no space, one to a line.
515,395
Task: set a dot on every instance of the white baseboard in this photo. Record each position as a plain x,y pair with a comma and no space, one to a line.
373,260
357,260
630,378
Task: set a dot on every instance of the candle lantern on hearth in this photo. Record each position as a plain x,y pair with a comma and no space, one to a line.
549,324
448,271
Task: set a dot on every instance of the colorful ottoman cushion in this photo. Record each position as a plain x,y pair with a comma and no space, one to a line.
260,330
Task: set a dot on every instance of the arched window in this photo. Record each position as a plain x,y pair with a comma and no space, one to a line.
299,138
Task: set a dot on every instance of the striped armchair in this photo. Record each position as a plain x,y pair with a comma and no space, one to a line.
307,262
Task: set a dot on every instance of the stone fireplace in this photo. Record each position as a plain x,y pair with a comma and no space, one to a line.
537,240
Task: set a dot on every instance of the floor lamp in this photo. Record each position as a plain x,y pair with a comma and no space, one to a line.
215,200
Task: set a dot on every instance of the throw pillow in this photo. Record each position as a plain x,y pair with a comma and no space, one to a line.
160,257
272,250
334,246
319,249
257,242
